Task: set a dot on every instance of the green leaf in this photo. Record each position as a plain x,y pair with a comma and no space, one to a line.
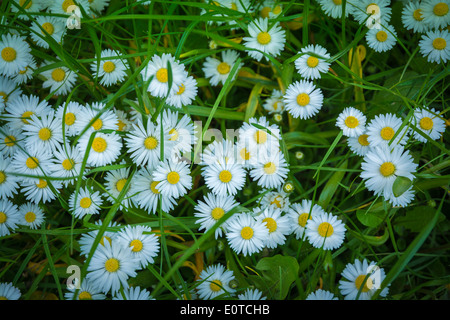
371,240
415,219
298,138
331,186
372,217
401,185
279,273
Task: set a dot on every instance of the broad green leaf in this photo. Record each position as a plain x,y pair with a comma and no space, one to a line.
401,185
372,217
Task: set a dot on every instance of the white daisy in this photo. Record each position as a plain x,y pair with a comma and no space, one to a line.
435,46
251,294
33,163
362,278
351,121
210,12
174,179
29,6
8,182
182,132
217,71
86,291
278,225
115,182
123,123
9,93
429,122
402,200
85,202
44,132
143,245
14,54
69,114
37,190
10,140
334,8
9,217
9,292
274,104
412,17
20,110
258,136
211,210
59,79
381,39
187,91
219,151
156,74
303,99
98,6
312,62
87,239
382,129
95,117
359,145
214,281
66,164
68,7
270,9
25,74
111,266
110,68
104,150
53,27
299,215
264,39
243,6
133,294
372,10
321,294
224,178
325,231
271,170
31,215
436,13
278,199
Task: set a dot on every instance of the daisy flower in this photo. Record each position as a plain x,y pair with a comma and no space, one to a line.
37,190
264,39
359,145
299,215
8,182
60,79
70,115
224,178
402,200
98,6
181,132
270,9
243,6
25,74
9,217
334,8
214,281
34,163
20,110
187,91
312,62
210,12
211,210
320,294
372,10
245,155
436,13
9,292
31,215
86,291
174,179
14,54
351,121
303,99
29,6
66,7
259,137
434,45
381,166
218,152
133,294
362,277
143,245
9,92
44,133
251,294
412,17
381,39
104,150
279,226
123,123
87,202
111,266
47,26
110,68
325,231
95,117
87,239
10,139
66,164
245,234
144,143
146,195
217,71
427,121
278,199
274,104
115,182
382,129
271,170
156,74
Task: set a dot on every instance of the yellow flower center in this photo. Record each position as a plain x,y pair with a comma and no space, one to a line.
417,15
48,27
98,124
42,184
351,122
85,296
260,136
373,9
216,285
325,229
265,12
263,38
30,217
2,177
99,144
173,177
439,43
337,2
69,119
112,265
387,169
58,74
136,245
247,233
223,68
85,202
181,89
271,224
387,133
276,10
26,115
426,123
10,141
109,67
23,71
29,4
276,201
217,213
270,168
4,96
3,217
45,134
120,184
162,75
121,125
233,6
150,143
312,62
225,176
367,285
9,54
32,163
102,241
66,4
382,36
441,9
362,140
153,187
303,219
244,154
173,134
303,99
